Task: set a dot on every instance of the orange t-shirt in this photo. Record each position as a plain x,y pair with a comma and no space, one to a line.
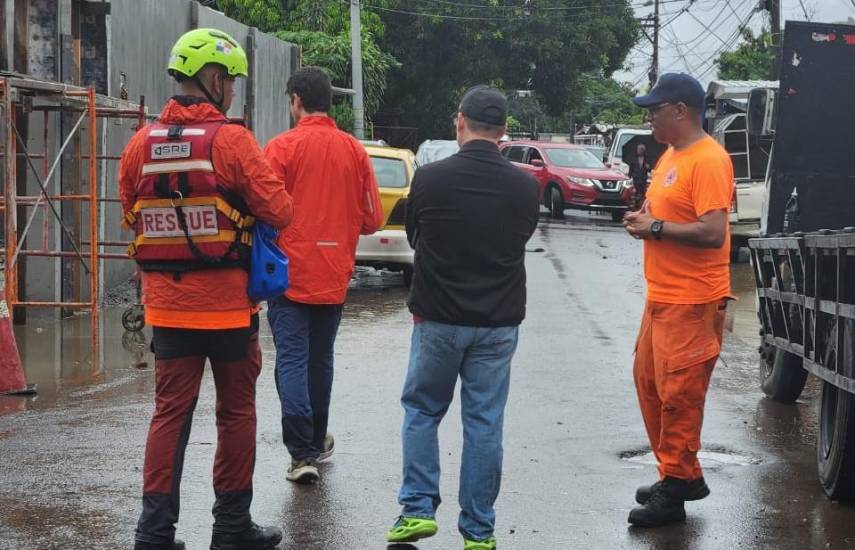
686,185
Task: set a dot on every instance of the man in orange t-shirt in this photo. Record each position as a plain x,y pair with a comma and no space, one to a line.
684,224
190,184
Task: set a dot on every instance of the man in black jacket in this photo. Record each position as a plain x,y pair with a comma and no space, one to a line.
468,219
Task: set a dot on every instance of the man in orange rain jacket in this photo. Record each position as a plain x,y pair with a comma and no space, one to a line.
329,174
191,185
684,224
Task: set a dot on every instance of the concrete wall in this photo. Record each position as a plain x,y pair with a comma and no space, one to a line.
137,36
141,36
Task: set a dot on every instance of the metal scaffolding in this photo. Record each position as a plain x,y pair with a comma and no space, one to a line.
22,96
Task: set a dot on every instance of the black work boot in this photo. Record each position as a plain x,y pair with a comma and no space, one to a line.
696,490
174,545
254,538
665,505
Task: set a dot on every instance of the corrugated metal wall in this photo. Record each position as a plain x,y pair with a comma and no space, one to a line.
273,65
139,35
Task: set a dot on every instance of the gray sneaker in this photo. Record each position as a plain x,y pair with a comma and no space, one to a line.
304,472
329,448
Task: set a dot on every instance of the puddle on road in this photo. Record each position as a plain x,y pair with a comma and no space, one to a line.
57,354
712,458
57,357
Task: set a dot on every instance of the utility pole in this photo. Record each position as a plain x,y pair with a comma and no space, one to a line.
651,23
356,62
654,70
774,8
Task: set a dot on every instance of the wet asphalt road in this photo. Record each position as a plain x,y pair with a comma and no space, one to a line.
574,442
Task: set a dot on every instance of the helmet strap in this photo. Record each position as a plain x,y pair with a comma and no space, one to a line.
217,104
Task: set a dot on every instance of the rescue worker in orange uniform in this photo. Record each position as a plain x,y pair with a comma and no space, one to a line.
684,224
191,186
336,199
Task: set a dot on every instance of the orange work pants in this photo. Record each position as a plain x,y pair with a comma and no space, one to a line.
677,348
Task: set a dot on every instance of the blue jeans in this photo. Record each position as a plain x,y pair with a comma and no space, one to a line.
304,335
481,357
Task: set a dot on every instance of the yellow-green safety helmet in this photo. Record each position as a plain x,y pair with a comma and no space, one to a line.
197,48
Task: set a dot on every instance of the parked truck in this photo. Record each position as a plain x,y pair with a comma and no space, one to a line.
804,262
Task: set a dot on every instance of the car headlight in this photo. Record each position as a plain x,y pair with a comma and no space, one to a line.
581,181
627,184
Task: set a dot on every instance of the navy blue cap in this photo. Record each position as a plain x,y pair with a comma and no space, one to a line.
674,88
485,104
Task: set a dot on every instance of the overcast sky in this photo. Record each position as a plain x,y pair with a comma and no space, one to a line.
687,46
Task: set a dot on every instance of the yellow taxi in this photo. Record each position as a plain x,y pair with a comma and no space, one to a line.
389,248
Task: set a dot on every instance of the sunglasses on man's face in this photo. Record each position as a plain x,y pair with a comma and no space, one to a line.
656,109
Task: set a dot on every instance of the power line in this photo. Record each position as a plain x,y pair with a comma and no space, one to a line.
736,37
527,6
527,10
705,26
680,53
679,13
713,26
710,57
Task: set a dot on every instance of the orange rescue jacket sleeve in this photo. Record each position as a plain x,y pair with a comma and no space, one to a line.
372,210
237,157
130,167
275,155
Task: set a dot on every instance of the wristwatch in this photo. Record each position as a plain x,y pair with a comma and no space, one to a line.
656,229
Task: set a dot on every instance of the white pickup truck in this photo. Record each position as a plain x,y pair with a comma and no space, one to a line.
727,105
750,160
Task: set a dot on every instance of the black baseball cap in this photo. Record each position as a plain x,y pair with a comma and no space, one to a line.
485,104
674,88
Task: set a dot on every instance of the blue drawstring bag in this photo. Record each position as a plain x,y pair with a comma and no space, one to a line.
268,271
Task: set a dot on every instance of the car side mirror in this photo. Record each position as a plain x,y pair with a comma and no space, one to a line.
537,163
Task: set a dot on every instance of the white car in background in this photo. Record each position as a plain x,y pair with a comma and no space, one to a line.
433,150
617,154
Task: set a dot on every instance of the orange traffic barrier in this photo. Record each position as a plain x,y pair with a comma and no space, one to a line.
12,380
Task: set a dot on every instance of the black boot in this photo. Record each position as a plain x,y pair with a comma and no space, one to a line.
665,505
697,490
254,538
174,545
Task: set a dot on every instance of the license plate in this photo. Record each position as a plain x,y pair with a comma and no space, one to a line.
163,222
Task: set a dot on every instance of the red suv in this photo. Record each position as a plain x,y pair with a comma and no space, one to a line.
570,176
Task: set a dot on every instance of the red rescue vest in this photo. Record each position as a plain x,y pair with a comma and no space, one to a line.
183,219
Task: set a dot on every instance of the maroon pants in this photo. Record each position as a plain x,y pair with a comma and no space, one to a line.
180,356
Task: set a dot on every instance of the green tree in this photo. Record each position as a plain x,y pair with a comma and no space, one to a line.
332,52
751,61
322,28
609,102
267,15
514,126
541,45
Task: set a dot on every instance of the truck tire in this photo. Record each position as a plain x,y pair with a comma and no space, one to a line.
781,374
835,442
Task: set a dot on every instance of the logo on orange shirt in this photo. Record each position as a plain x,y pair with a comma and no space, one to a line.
670,178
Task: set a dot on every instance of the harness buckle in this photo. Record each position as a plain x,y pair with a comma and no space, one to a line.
174,132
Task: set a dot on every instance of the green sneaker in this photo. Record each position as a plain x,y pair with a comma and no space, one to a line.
411,529
489,544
